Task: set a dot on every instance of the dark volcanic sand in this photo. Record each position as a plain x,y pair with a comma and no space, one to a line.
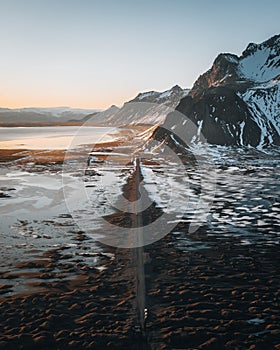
225,297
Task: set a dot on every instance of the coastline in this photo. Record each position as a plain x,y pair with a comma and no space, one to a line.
225,297
57,156
222,296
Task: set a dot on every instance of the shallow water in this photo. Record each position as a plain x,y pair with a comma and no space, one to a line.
237,196
52,137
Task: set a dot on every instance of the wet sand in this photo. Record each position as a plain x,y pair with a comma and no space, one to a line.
225,297
57,156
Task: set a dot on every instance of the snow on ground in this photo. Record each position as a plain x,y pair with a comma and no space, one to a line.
238,196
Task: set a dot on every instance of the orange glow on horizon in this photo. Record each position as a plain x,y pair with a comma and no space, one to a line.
15,103
18,99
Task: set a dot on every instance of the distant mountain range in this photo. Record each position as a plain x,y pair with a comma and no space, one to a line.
236,102
153,109
42,115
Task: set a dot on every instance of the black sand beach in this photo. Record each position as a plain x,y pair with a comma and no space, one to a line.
223,295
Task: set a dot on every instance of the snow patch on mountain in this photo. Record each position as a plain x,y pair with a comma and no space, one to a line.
144,95
261,65
149,107
169,97
263,101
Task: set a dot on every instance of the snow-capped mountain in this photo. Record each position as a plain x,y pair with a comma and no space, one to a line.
237,101
169,97
153,108
45,115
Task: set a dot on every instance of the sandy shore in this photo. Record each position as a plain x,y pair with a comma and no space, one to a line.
202,300
225,296
46,156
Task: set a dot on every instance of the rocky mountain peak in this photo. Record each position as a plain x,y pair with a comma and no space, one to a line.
258,63
272,43
114,107
237,101
250,49
176,88
169,97
223,71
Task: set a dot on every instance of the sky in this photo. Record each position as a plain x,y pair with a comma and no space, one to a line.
95,53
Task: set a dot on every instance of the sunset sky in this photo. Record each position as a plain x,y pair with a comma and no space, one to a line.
92,54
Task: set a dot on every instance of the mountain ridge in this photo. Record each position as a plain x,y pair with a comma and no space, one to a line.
42,114
237,101
150,107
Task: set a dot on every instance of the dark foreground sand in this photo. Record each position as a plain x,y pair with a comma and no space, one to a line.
223,297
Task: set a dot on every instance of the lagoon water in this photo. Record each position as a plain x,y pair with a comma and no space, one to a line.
52,137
